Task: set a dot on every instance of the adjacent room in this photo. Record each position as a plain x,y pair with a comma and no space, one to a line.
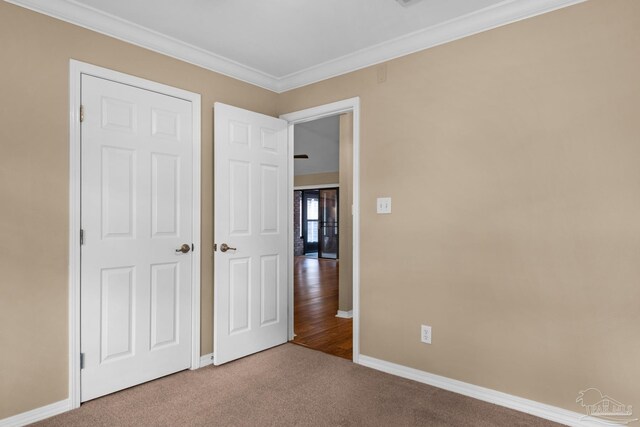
374,212
323,303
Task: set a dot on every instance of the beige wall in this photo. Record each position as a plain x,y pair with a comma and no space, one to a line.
345,221
316,179
512,158
34,180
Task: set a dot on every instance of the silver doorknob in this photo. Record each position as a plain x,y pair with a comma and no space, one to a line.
184,248
224,247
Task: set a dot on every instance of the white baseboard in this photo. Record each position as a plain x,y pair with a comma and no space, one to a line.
538,409
47,411
37,414
206,360
345,314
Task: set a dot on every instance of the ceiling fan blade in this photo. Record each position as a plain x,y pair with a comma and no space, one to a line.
300,156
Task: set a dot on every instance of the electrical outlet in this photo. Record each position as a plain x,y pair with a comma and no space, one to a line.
425,334
383,205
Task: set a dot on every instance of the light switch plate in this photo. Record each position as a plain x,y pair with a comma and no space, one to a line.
383,205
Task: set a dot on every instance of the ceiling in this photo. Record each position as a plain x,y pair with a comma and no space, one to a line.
283,44
320,139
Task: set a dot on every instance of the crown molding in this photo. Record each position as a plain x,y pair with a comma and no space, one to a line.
503,13
110,25
500,14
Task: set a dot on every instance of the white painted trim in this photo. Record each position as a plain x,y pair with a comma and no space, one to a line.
196,115
76,70
206,360
537,409
290,228
345,314
316,187
500,14
322,111
297,117
503,13
75,101
113,26
37,414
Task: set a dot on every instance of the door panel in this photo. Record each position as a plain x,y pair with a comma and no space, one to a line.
117,312
165,194
270,198
250,295
136,206
118,192
269,291
239,294
239,198
164,304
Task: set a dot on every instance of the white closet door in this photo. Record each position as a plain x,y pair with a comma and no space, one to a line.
136,211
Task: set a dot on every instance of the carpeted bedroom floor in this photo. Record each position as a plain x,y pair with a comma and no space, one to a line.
284,386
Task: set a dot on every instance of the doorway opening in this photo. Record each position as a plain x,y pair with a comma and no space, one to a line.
316,229
351,158
322,292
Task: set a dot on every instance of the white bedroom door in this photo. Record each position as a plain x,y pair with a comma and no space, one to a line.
251,182
136,206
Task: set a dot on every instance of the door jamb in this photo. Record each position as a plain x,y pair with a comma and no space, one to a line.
318,186
76,70
314,113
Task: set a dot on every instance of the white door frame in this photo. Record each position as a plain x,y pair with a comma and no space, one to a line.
316,187
76,70
339,107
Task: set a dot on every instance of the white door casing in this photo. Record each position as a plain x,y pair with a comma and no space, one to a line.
315,113
137,202
251,183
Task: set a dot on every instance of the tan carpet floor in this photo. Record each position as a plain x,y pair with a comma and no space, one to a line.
286,386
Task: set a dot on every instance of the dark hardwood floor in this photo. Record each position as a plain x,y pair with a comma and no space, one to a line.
315,307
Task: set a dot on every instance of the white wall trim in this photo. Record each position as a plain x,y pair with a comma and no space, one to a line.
537,409
345,314
37,414
503,13
316,187
74,227
206,360
322,111
196,317
297,117
509,401
110,25
76,70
